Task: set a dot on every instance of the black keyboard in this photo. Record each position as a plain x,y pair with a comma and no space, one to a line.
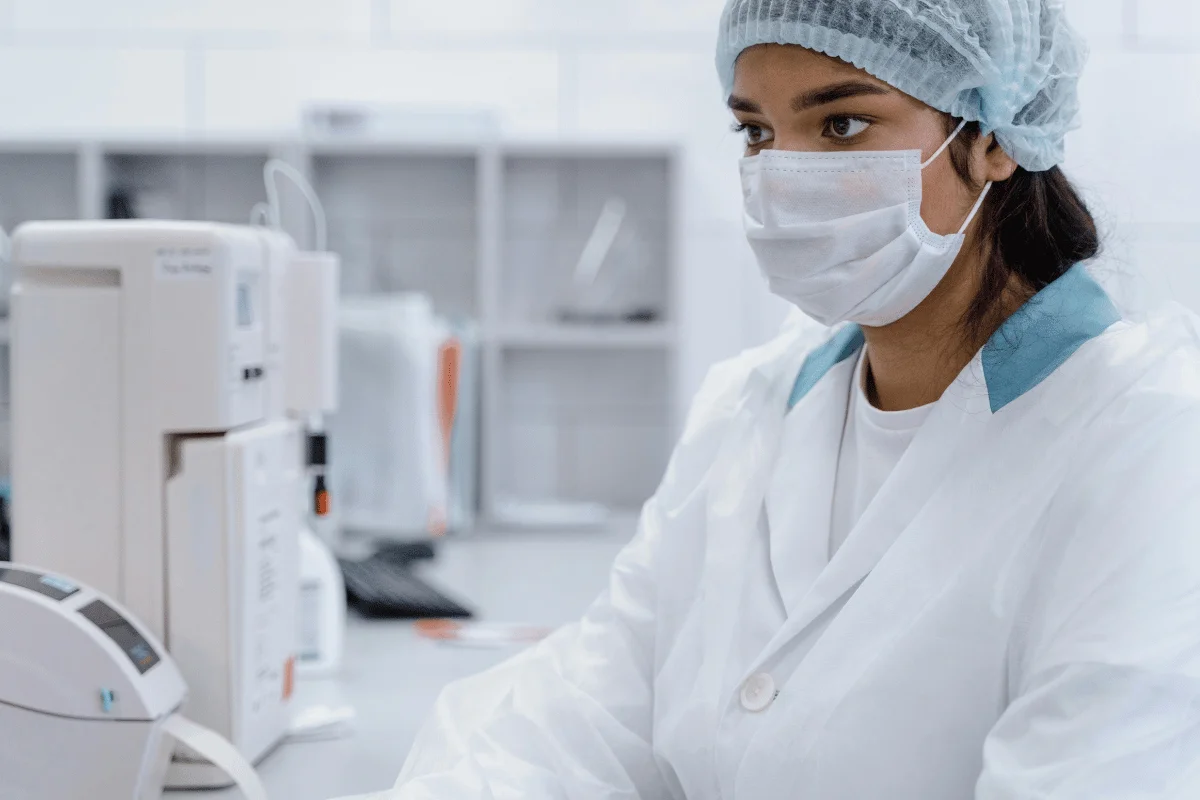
381,587
404,553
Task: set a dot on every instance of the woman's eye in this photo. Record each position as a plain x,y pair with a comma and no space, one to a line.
756,135
845,127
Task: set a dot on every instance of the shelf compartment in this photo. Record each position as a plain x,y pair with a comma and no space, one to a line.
181,184
590,426
551,205
404,223
38,185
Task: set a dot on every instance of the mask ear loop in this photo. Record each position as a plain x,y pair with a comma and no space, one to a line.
982,196
945,144
978,205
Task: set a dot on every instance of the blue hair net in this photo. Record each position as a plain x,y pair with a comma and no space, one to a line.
1011,65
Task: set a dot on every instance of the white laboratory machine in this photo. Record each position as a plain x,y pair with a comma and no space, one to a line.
157,449
88,697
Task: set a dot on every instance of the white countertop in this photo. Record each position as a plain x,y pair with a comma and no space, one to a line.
392,677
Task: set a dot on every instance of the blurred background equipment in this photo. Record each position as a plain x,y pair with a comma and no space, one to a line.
302,353
395,471
321,609
5,529
391,474
571,392
159,444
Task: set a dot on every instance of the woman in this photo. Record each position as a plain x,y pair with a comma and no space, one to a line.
948,547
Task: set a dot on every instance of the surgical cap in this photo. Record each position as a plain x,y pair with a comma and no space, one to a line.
1011,65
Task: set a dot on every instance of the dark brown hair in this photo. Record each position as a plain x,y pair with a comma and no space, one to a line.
1034,226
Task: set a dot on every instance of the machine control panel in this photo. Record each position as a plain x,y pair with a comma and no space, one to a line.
53,587
117,628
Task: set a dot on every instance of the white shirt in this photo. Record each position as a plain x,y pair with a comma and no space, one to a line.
873,443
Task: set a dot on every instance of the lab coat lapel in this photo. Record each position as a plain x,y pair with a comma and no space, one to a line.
953,528
958,522
958,420
977,476
1028,348
799,503
737,486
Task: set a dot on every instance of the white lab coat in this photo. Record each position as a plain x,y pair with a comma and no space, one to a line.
1016,615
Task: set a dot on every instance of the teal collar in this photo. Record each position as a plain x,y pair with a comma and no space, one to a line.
1026,350
845,343
1043,334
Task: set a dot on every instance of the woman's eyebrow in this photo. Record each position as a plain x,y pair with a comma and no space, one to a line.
736,103
838,91
816,97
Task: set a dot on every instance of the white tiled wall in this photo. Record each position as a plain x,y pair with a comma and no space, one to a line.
1169,22
1133,154
193,16
627,68
73,88
256,89
499,16
562,16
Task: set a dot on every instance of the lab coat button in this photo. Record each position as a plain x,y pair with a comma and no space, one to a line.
758,692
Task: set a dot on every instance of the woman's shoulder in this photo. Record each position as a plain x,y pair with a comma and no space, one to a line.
745,388
1138,455
1156,365
771,366
1118,551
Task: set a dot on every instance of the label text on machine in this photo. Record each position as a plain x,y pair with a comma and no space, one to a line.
180,263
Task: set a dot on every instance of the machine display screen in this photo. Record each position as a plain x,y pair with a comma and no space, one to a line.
245,305
117,628
48,585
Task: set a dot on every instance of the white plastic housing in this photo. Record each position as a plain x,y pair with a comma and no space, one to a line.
233,522
61,739
124,334
322,609
69,759
147,361
312,323
278,252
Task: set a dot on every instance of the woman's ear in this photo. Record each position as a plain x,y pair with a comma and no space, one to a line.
997,166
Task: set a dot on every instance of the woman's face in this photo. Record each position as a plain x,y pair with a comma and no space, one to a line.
789,98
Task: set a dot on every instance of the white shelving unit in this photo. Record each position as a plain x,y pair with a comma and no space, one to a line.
491,230
219,185
40,180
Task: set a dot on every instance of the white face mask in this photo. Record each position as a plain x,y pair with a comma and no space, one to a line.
840,235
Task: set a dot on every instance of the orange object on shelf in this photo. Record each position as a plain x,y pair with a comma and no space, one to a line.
289,678
449,366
